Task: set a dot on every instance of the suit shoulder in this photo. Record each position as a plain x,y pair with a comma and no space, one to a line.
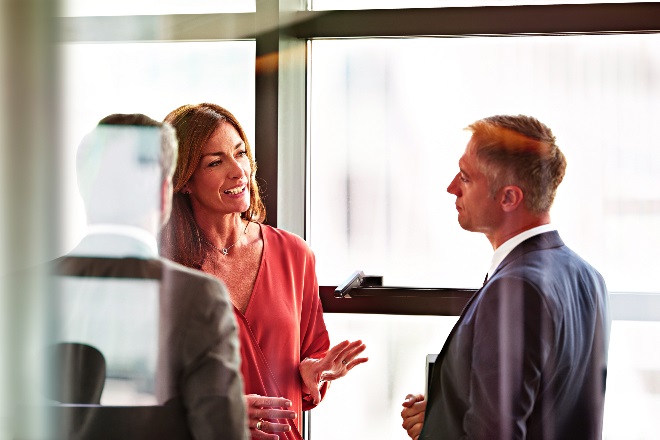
193,279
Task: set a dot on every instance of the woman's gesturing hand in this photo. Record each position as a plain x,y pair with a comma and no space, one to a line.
263,413
337,361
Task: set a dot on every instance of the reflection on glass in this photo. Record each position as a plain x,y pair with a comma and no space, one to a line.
386,130
120,319
120,178
78,8
324,5
149,78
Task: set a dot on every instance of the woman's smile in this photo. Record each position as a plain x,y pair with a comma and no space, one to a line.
237,190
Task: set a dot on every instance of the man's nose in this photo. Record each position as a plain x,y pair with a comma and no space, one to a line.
453,187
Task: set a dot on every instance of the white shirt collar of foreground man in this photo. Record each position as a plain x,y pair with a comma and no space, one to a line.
116,241
506,247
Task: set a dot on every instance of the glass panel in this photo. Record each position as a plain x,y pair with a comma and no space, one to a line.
149,78
120,319
632,400
369,404
326,5
366,403
78,8
386,135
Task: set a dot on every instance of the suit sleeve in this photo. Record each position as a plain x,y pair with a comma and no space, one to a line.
212,387
512,339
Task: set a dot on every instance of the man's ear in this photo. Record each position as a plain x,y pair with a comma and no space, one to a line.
511,197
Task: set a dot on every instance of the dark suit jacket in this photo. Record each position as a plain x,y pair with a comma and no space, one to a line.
528,356
198,358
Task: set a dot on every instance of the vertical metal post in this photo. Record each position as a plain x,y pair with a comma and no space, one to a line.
280,114
266,105
307,425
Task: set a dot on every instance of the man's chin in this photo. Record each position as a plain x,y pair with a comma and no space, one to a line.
465,224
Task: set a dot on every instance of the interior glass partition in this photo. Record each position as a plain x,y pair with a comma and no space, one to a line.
385,133
150,78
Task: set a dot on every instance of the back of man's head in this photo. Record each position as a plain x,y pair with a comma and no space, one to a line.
122,165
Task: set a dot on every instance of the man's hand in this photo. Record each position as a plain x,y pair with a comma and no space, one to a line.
414,408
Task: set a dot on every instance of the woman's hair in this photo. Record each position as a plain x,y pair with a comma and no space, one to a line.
521,151
180,238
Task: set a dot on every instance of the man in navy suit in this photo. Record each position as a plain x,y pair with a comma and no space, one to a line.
527,358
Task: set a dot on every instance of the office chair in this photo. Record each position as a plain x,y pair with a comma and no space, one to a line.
77,384
77,373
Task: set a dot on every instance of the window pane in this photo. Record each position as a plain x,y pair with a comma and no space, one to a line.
386,135
149,78
632,400
386,122
369,404
325,5
368,400
78,8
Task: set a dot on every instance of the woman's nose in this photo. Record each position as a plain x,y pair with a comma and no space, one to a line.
235,170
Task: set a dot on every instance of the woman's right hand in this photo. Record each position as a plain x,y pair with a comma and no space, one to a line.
262,414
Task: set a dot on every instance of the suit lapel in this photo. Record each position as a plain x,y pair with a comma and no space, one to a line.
546,240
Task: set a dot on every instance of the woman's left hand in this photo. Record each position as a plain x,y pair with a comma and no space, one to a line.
337,361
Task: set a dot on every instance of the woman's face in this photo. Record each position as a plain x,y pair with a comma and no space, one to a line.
220,183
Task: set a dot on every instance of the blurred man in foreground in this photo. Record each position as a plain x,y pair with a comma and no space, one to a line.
167,332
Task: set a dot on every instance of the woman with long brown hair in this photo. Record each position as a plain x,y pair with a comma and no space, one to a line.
216,226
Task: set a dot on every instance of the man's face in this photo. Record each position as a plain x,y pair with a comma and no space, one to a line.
477,210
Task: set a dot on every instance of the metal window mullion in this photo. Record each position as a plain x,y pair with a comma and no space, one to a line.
486,20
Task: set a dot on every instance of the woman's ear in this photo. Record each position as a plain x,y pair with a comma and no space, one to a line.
165,201
512,197
185,189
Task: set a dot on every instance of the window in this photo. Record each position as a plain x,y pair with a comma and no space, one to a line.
386,120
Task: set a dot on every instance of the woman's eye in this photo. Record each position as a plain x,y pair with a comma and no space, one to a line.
215,163
242,153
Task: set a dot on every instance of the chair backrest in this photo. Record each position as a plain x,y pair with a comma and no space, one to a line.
78,373
96,422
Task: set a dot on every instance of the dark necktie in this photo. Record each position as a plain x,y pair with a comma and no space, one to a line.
485,280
